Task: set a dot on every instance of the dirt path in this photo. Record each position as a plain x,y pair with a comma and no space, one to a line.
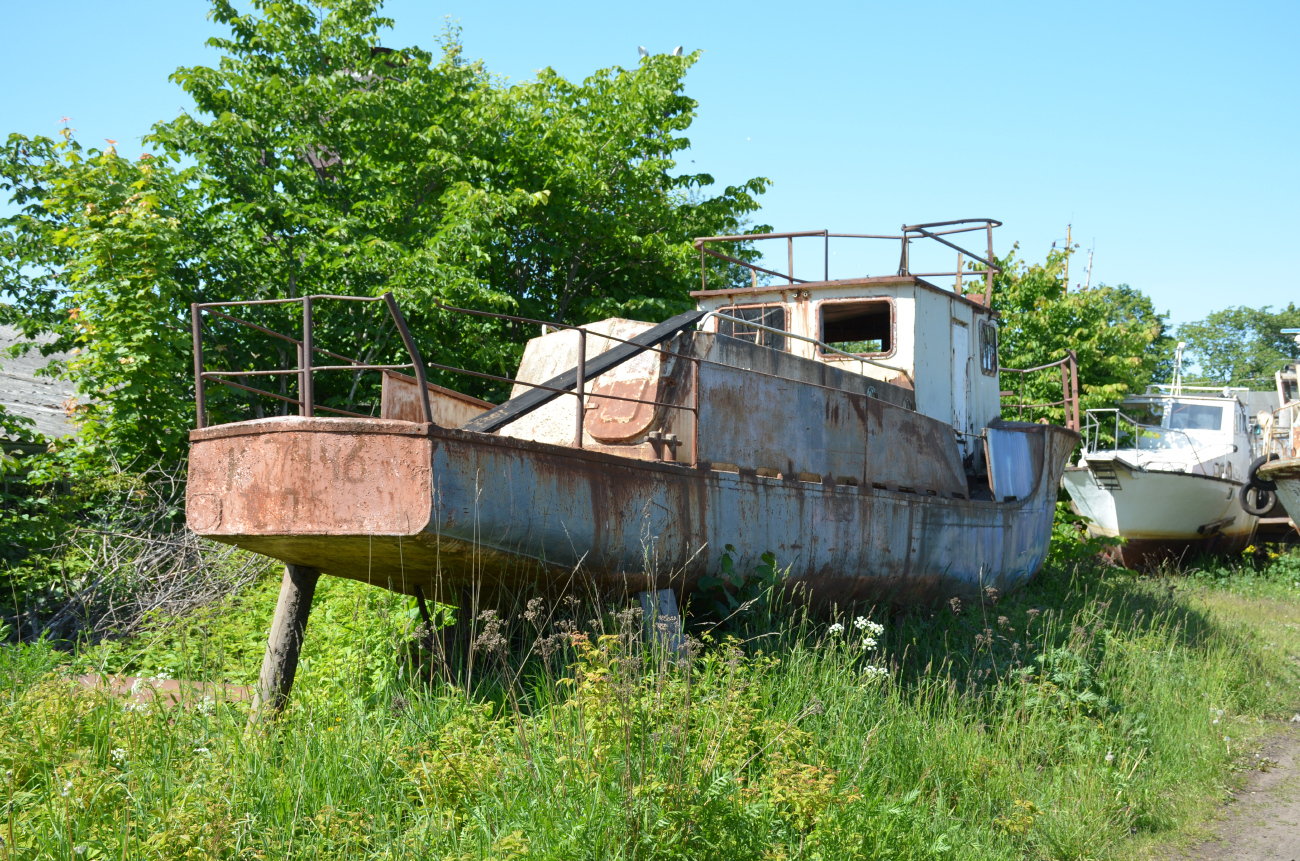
1263,820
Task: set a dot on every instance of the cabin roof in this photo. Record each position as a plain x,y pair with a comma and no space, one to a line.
875,280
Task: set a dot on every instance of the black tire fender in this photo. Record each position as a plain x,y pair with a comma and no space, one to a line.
1252,474
1264,500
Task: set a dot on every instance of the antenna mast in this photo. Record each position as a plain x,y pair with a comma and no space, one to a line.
1068,227
1177,388
1090,250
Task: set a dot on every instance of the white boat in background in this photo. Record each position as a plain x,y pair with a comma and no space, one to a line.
1166,472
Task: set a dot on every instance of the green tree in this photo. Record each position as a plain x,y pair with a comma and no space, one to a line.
1241,346
1118,337
321,162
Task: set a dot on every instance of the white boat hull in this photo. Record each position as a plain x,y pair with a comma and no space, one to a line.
1161,515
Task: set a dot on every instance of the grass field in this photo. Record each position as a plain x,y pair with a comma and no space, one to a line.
1095,714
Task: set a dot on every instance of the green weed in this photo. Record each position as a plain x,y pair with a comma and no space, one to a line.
1092,715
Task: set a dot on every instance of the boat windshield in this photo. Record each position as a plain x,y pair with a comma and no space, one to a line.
1168,425
1195,416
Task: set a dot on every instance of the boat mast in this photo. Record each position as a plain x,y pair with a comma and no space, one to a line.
1177,388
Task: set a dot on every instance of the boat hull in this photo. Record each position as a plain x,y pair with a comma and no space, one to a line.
1285,474
406,505
1161,515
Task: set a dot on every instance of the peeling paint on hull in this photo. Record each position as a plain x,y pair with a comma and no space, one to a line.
402,505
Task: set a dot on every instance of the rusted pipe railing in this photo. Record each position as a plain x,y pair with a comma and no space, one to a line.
1069,366
909,234
579,385
305,348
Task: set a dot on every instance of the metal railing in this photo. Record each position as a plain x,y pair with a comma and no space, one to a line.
910,233
306,347
1127,426
1069,389
1277,438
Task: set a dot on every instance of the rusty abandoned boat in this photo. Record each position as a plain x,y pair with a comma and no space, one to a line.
850,427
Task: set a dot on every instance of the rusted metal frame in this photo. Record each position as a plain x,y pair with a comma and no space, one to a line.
752,266
1048,404
234,302
514,408
1074,389
579,384
267,331
745,237
695,413
343,412
988,273
1065,393
557,326
1021,414
785,334
306,385
257,391
196,329
284,371
978,222
556,390
291,340
954,246
421,379
1036,368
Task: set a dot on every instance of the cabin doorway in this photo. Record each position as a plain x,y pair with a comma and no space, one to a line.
961,379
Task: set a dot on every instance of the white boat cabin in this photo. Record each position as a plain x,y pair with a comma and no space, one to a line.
1197,431
898,328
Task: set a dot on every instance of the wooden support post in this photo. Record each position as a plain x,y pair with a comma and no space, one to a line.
661,623
285,641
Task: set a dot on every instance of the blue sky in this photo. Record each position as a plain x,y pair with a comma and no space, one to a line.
1166,133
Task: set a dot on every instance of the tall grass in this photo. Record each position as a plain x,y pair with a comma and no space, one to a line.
1085,717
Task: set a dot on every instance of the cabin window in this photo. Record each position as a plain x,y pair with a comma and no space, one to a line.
772,316
988,348
859,327
1195,417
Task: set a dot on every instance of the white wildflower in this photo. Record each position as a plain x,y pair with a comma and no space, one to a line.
874,672
201,751
206,706
836,629
118,754
861,623
1216,720
868,642
1110,757
67,787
